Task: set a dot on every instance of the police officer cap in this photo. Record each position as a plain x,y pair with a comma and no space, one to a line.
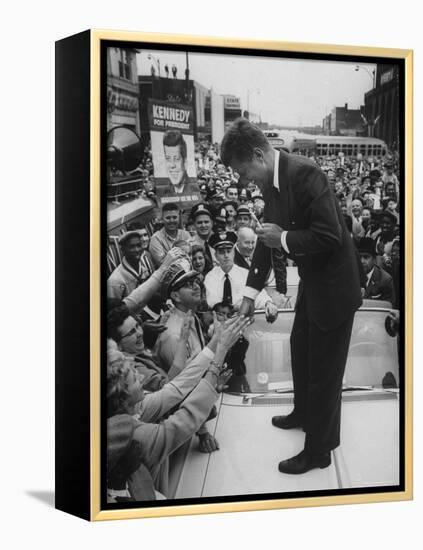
221,215
200,209
223,240
243,210
176,275
245,194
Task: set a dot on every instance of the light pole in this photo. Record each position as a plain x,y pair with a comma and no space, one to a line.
157,61
371,74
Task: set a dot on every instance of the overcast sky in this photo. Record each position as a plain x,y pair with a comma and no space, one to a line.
282,91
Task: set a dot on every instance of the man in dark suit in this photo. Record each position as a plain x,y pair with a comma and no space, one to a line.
302,216
175,156
378,283
244,247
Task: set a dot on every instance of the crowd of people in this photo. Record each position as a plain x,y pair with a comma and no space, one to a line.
174,337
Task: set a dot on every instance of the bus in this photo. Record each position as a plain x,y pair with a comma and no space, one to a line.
350,146
305,144
291,142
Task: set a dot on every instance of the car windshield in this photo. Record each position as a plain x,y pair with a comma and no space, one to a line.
372,360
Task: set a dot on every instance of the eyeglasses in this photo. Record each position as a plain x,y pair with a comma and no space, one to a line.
224,316
134,330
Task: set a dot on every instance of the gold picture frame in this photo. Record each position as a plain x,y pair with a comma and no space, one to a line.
84,499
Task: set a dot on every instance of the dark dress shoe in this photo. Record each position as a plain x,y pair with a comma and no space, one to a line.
303,462
287,422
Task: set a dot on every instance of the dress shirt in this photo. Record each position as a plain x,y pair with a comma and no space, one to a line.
369,276
246,258
215,279
252,292
276,185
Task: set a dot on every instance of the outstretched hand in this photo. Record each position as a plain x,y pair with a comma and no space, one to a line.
232,329
172,256
271,312
247,308
222,380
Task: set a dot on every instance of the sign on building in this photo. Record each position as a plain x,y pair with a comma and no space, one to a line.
172,147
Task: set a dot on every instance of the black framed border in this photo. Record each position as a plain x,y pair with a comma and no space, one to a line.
80,262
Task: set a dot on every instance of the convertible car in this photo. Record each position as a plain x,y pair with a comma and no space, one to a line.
251,448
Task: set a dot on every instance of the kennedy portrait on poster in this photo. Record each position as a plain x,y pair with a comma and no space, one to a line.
172,147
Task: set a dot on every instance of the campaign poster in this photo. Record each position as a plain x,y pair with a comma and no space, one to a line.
172,148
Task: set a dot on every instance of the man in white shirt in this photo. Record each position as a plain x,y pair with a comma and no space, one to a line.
164,239
226,281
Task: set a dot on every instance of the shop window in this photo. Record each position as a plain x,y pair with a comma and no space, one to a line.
125,65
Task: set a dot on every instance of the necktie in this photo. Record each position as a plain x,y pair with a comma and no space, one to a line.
274,210
279,267
199,331
227,290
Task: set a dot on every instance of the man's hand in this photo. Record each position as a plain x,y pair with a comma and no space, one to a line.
222,379
171,257
208,443
271,312
233,329
270,235
247,307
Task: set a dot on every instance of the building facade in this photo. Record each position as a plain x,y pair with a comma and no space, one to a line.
346,122
122,89
231,110
326,125
382,106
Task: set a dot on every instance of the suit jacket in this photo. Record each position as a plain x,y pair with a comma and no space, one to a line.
240,260
189,188
317,239
380,286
